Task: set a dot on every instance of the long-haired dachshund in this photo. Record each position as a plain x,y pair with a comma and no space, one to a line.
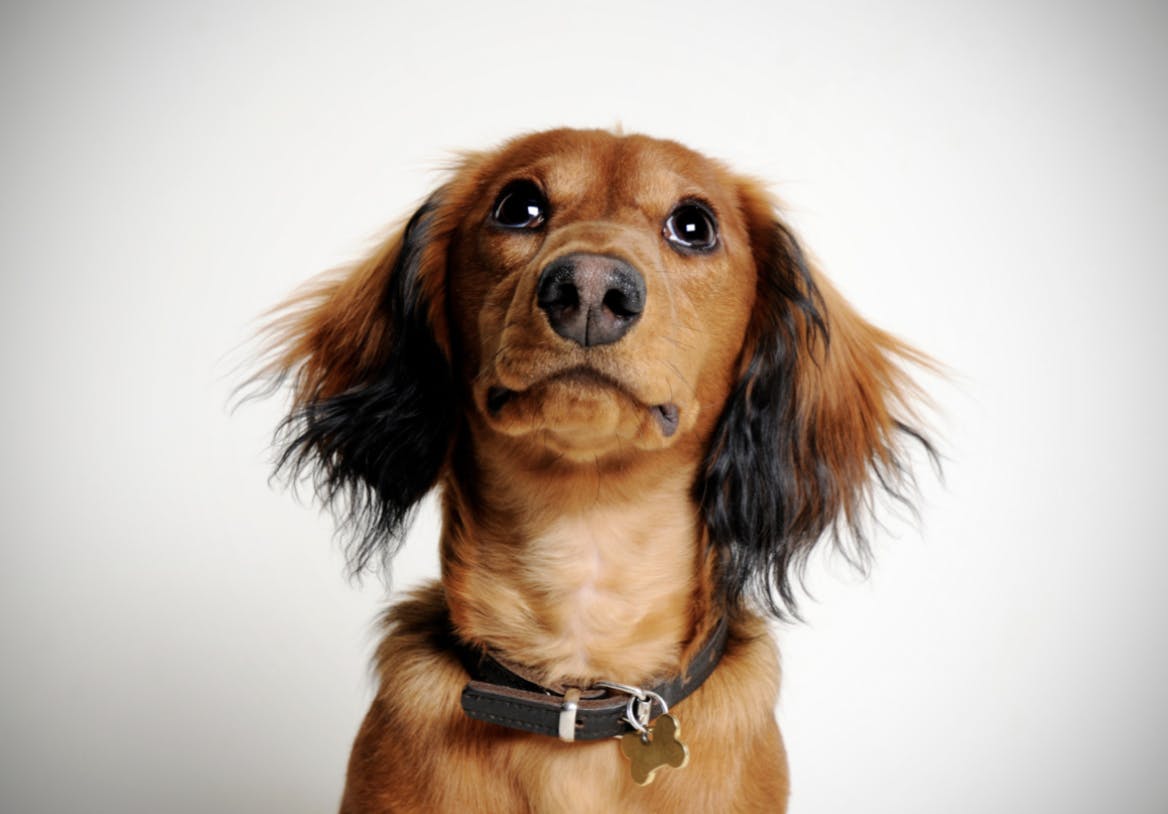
642,406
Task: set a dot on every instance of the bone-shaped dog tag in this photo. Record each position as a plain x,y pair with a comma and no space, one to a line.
659,746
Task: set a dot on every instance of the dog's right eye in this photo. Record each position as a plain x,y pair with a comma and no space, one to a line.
521,205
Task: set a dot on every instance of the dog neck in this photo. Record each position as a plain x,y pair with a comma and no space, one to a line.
576,573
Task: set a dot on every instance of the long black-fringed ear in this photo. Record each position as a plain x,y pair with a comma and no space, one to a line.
813,428
373,403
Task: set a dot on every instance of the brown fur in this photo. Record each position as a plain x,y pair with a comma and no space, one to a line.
572,539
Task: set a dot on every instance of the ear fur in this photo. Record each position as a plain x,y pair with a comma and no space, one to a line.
814,427
373,406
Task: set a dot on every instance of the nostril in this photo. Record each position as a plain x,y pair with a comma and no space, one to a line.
558,290
624,294
622,304
563,295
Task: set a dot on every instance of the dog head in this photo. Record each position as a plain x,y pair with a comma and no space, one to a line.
585,299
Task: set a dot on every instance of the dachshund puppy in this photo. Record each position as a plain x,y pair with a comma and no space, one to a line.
642,407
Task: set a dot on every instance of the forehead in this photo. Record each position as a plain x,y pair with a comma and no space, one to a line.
620,170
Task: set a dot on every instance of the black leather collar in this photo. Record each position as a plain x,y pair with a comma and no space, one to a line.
499,695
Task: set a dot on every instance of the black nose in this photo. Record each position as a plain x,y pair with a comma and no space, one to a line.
591,299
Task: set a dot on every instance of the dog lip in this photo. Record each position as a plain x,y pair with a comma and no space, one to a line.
668,416
497,398
587,375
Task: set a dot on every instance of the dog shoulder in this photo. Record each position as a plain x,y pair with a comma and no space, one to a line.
416,750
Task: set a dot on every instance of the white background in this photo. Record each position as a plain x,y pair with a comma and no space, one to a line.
986,179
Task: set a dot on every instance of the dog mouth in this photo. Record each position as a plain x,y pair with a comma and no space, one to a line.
666,415
497,398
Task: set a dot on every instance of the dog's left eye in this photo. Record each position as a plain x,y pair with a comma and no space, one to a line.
521,205
691,228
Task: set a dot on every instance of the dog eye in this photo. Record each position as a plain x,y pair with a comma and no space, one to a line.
521,205
691,228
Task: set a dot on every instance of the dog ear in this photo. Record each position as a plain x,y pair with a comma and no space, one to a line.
372,388
813,429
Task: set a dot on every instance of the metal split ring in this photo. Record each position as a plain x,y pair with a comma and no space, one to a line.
639,710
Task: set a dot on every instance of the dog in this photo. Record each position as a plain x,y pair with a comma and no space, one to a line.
642,406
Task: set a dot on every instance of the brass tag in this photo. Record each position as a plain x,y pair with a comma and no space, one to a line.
660,746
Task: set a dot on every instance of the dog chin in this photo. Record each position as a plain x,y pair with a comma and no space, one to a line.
581,417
